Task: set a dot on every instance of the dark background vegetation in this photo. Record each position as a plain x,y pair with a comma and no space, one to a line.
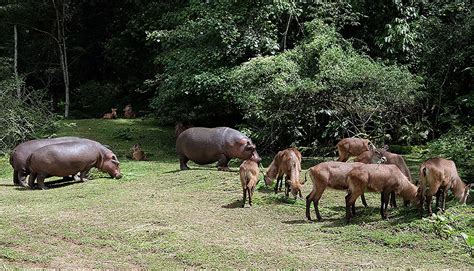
284,72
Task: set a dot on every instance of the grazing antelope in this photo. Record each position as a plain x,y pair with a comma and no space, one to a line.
286,162
376,156
384,179
437,175
328,174
248,178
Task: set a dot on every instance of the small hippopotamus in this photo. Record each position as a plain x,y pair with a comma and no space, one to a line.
64,159
207,145
21,153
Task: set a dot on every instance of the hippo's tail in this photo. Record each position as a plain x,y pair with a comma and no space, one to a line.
11,157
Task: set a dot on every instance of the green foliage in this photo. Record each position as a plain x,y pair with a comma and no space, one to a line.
469,240
441,225
124,133
320,91
24,117
457,146
93,99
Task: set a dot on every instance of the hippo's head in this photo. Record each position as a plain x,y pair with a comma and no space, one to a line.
249,150
110,164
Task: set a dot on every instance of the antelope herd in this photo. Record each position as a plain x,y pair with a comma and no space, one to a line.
374,170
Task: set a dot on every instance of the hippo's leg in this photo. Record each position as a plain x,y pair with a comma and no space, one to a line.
84,174
183,160
31,180
22,178
222,163
40,182
16,181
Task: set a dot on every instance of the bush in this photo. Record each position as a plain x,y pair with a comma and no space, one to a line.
22,118
457,146
321,91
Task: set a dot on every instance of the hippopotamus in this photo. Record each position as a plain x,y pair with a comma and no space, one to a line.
64,159
207,145
21,153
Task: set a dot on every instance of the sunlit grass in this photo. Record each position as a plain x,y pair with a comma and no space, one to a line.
159,217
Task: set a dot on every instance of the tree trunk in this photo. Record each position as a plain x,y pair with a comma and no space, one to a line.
60,12
15,62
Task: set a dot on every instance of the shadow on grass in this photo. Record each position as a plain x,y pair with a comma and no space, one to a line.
297,222
53,184
233,205
265,189
199,168
6,185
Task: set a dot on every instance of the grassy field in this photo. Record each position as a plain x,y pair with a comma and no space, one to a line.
159,217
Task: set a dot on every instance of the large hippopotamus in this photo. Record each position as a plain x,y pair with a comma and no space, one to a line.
207,145
64,159
21,153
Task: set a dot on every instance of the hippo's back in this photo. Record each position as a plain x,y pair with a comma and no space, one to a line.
21,152
64,158
201,145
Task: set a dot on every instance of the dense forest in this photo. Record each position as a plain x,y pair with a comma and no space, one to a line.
303,73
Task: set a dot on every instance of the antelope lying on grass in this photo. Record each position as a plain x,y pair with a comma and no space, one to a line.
437,175
112,115
384,179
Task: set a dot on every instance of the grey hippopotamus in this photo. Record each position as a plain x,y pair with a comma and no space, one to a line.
207,145
21,153
64,159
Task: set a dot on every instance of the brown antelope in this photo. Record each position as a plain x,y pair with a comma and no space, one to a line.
437,175
328,174
248,178
112,115
137,153
128,112
375,156
352,146
384,179
286,162
279,178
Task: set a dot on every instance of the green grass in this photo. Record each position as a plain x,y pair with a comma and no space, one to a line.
159,217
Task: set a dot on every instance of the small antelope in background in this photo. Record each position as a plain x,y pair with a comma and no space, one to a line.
248,178
128,112
437,175
352,146
112,115
137,153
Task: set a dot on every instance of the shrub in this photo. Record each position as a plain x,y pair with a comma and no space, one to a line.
457,146
22,118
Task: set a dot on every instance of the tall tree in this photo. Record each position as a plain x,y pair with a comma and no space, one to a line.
60,11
